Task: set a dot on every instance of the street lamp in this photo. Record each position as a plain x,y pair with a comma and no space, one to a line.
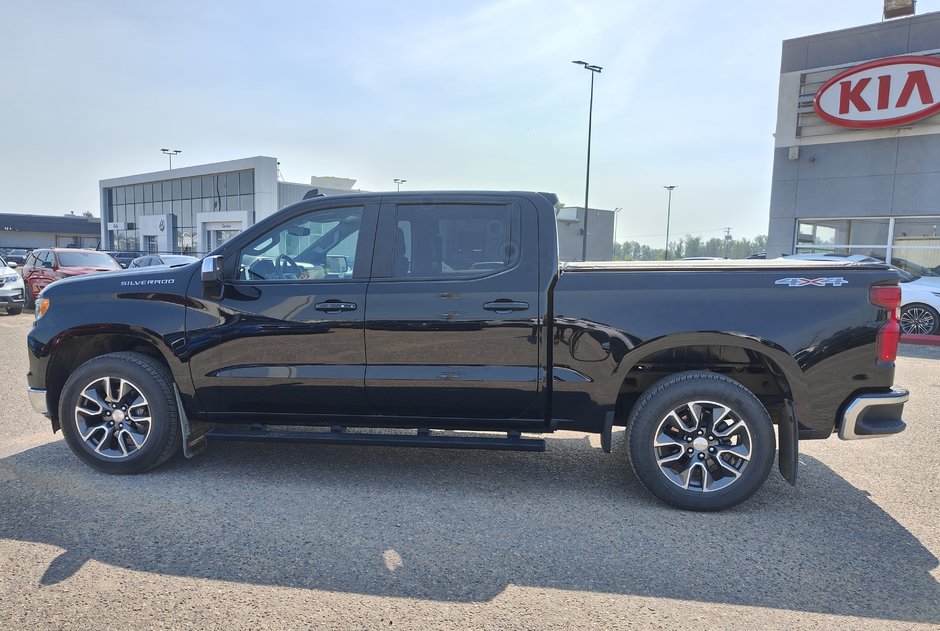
668,213
587,177
398,183
170,154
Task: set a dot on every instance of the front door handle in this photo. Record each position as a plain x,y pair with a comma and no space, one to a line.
335,306
506,306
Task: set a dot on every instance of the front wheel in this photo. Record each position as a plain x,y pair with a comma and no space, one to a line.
919,319
118,413
700,441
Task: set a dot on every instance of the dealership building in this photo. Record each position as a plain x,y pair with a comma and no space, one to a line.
195,209
857,145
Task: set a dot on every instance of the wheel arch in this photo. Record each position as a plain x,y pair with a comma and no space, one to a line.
749,360
74,347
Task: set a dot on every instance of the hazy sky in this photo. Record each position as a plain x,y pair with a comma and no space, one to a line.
448,95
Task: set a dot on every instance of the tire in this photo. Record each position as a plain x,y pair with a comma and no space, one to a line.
14,310
29,301
104,421
919,319
685,456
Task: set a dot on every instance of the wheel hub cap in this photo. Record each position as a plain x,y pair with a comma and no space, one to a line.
112,417
717,455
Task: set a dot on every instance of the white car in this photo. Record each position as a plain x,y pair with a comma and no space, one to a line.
12,290
920,295
920,305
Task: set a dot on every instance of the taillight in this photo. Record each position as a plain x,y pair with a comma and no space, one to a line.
888,297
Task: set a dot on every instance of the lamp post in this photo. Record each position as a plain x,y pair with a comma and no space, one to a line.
668,213
587,176
170,155
398,183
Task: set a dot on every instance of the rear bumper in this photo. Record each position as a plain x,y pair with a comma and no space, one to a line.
874,415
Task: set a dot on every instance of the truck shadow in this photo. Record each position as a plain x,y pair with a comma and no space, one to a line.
461,526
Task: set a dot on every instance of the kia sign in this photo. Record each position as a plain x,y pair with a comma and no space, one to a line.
881,93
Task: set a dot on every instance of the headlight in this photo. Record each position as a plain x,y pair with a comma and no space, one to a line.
11,278
42,305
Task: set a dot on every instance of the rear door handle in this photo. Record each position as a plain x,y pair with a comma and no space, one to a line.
506,306
335,306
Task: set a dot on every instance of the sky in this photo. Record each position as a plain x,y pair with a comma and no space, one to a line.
446,95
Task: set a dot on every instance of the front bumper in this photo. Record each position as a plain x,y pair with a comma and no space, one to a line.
14,298
874,415
37,398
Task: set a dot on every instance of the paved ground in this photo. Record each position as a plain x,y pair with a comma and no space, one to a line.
274,537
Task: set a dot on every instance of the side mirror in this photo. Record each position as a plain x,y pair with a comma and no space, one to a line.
337,264
11,264
212,276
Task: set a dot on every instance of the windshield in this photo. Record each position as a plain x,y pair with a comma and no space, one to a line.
86,259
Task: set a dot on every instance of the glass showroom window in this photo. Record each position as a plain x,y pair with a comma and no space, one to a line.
868,237
916,245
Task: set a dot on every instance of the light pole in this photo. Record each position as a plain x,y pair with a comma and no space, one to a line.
668,213
587,176
616,214
170,155
398,183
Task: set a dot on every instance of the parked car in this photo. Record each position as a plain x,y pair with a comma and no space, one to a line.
12,292
46,265
17,256
920,295
470,324
166,260
125,257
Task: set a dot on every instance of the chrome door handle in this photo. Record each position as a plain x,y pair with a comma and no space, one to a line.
334,306
505,306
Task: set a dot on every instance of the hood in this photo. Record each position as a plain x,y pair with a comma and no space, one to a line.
171,280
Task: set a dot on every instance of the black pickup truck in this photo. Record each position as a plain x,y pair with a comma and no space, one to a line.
445,320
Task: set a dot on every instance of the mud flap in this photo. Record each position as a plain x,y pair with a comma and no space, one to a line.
788,458
194,434
607,431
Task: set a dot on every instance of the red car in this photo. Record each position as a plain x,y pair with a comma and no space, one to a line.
44,266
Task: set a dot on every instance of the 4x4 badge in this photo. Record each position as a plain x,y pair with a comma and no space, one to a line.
835,281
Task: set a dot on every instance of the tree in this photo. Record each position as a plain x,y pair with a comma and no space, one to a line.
691,246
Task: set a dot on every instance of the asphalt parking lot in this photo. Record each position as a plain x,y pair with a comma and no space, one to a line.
301,536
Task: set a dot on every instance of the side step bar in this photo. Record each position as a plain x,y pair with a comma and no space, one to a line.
512,442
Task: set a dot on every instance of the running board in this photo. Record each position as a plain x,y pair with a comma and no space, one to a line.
512,442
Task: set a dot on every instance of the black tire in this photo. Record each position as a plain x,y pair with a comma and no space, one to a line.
919,319
665,454
29,303
93,415
14,310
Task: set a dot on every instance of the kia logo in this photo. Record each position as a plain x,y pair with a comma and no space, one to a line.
881,93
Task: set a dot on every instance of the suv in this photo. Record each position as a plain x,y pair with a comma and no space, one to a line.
44,266
17,256
11,288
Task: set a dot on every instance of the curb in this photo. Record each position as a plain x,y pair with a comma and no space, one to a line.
926,340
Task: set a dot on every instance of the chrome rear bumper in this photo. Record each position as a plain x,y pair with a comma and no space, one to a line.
874,415
37,398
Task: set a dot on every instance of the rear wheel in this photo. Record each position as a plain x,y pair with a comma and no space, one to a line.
118,413
919,319
700,441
